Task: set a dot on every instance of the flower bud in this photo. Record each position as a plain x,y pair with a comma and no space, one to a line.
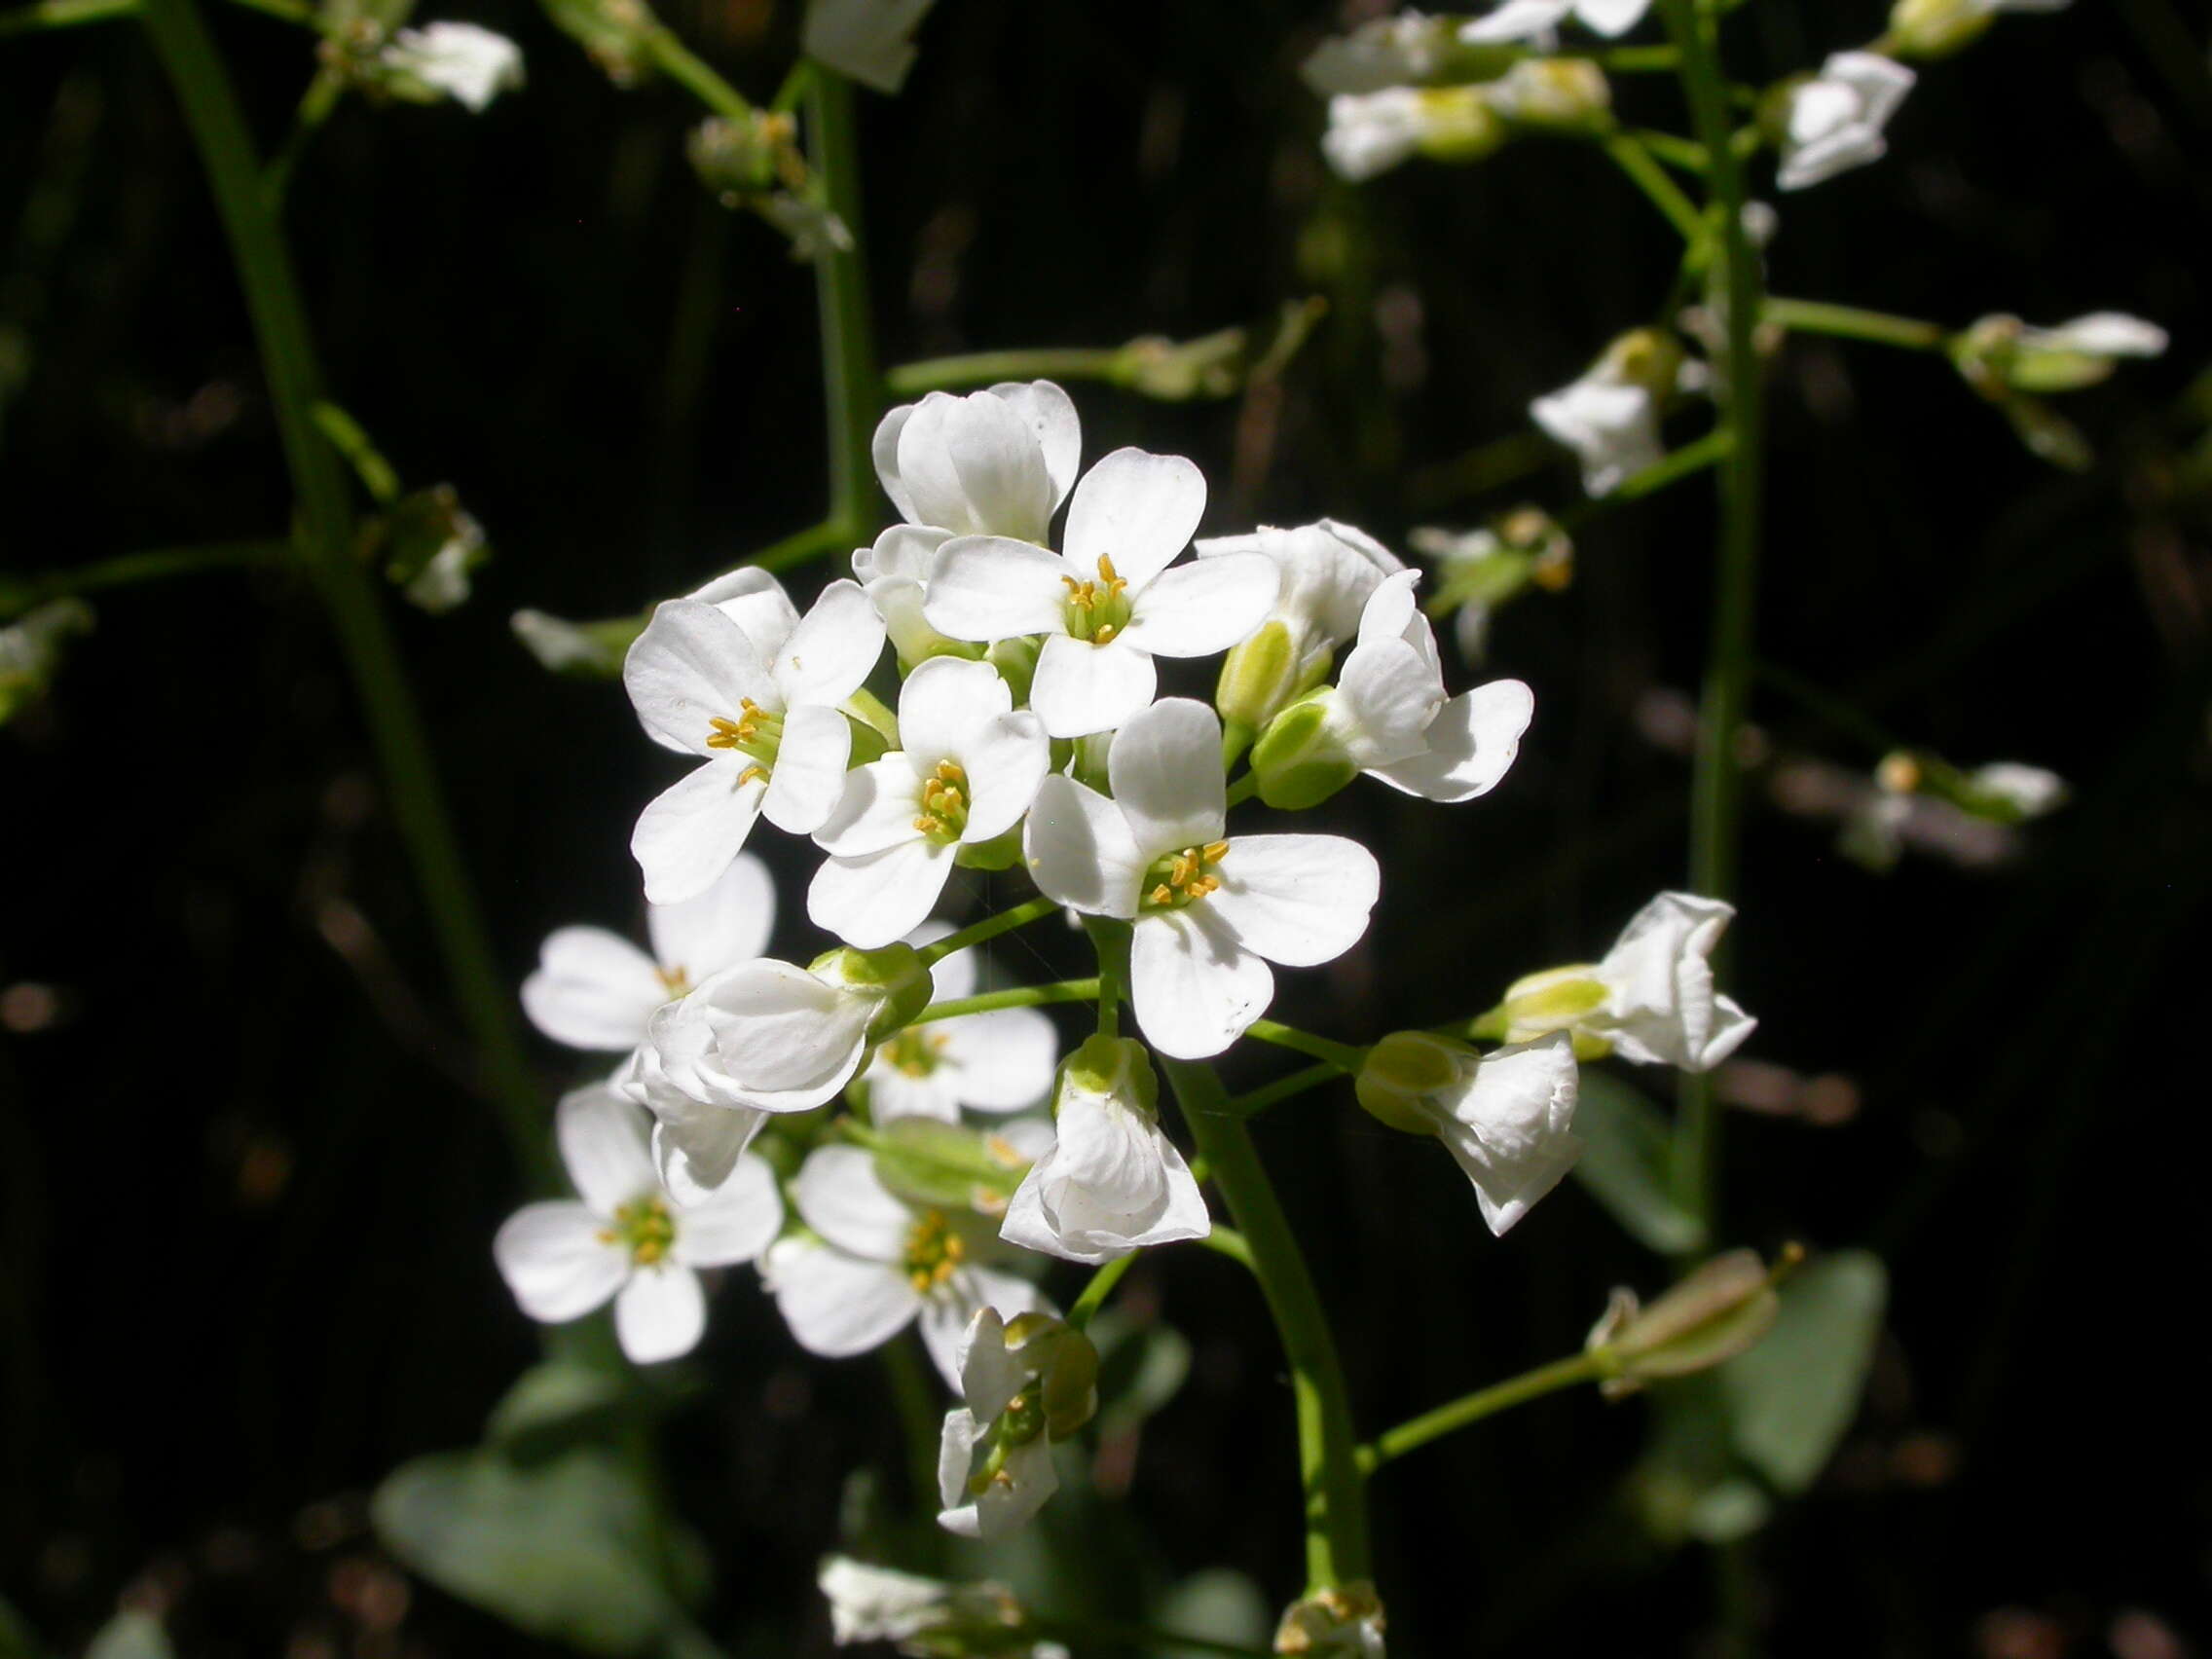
1937,28
893,976
586,650
1648,357
430,543
1406,1069
30,650
1297,759
1341,1622
1175,370
1716,1312
1556,94
1555,1000
2003,351
1257,676
743,158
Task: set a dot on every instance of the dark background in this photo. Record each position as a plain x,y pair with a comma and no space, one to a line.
246,1192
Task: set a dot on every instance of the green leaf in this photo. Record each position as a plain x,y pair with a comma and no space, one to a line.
132,1635
1217,1603
1791,1397
1141,1367
1624,1164
553,1405
563,1550
16,1639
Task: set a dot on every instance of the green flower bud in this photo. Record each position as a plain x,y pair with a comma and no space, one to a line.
1258,676
1936,28
1720,1310
1405,1069
1557,94
1119,1066
894,974
1016,660
1298,761
1554,1000
1460,124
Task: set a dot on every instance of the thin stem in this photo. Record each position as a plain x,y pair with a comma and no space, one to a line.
1335,1512
1110,940
272,299
61,14
851,386
316,106
1228,1241
1684,463
1844,715
1849,322
1020,996
1652,179
1716,779
127,569
990,927
982,368
1679,153
1638,60
685,67
1473,1408
1342,1055
1100,1287
1252,1103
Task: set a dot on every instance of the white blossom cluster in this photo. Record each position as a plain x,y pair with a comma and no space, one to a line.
1028,733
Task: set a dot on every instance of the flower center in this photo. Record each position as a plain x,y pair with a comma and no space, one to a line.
1097,611
1177,879
933,1251
756,732
645,1227
676,981
913,1053
944,803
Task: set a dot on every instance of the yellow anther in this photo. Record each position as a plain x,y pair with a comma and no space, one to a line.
727,734
1114,583
1214,851
753,775
1161,893
934,1251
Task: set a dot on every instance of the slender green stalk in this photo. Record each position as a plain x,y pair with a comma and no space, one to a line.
1342,1055
1110,939
1849,322
61,14
688,69
1844,715
1020,996
1336,1509
1649,177
1473,1408
317,105
1638,60
127,569
272,300
1686,463
1680,152
1100,1287
851,386
982,368
990,927
1717,781
1252,1103
1228,1241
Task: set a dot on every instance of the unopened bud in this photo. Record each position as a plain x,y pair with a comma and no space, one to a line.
614,32
430,543
1176,371
1299,760
1458,124
1404,1071
1258,676
1341,1622
1555,1000
894,976
588,650
1649,357
30,650
1720,1310
1560,95
748,156
1937,28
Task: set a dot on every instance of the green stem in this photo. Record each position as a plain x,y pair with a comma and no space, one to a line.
1335,1512
1638,60
1687,461
1845,716
1717,781
316,106
1679,153
1482,1403
982,368
1228,1241
1100,1287
1652,179
272,300
1849,322
688,69
1258,1100
1342,1055
61,14
1020,996
1110,940
990,927
853,389
913,1396
127,569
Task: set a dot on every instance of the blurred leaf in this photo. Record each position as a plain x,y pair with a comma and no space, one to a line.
132,1635
16,1639
565,1550
1624,1164
1727,1510
552,1406
929,1163
1218,1603
1682,1489
1791,1397
1140,1367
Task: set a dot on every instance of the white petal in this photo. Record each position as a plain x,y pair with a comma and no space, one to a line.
893,1094
603,1144
1137,509
974,464
698,1148
1515,20
830,653
1204,607
946,1312
987,587
690,667
660,1315
944,703
690,832
876,810
1385,699
1194,987
1297,900
989,1374
877,898
1080,851
1081,688
838,1195
593,990
809,775
902,550
765,1034
836,1304
1511,1128
1611,18
727,924
1053,420
950,976
884,448
1166,770
1000,1061
737,1222
1471,743
1005,764
956,1447
558,1260
756,601
1731,1026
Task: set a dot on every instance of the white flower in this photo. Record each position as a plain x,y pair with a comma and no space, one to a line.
1327,572
734,676
626,1239
1001,1060
892,572
2028,791
1834,121
594,989
1651,1000
966,771
870,40
470,65
1506,1116
1388,715
1112,1182
994,463
1210,912
1609,421
1003,1414
1108,604
1371,132
876,1264
877,1604
767,1035
2100,334
1525,20
1381,52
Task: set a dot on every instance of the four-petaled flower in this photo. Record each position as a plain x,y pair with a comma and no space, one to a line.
995,463
1833,122
1000,1061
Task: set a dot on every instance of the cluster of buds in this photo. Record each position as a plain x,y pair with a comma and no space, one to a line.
1480,571
754,163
